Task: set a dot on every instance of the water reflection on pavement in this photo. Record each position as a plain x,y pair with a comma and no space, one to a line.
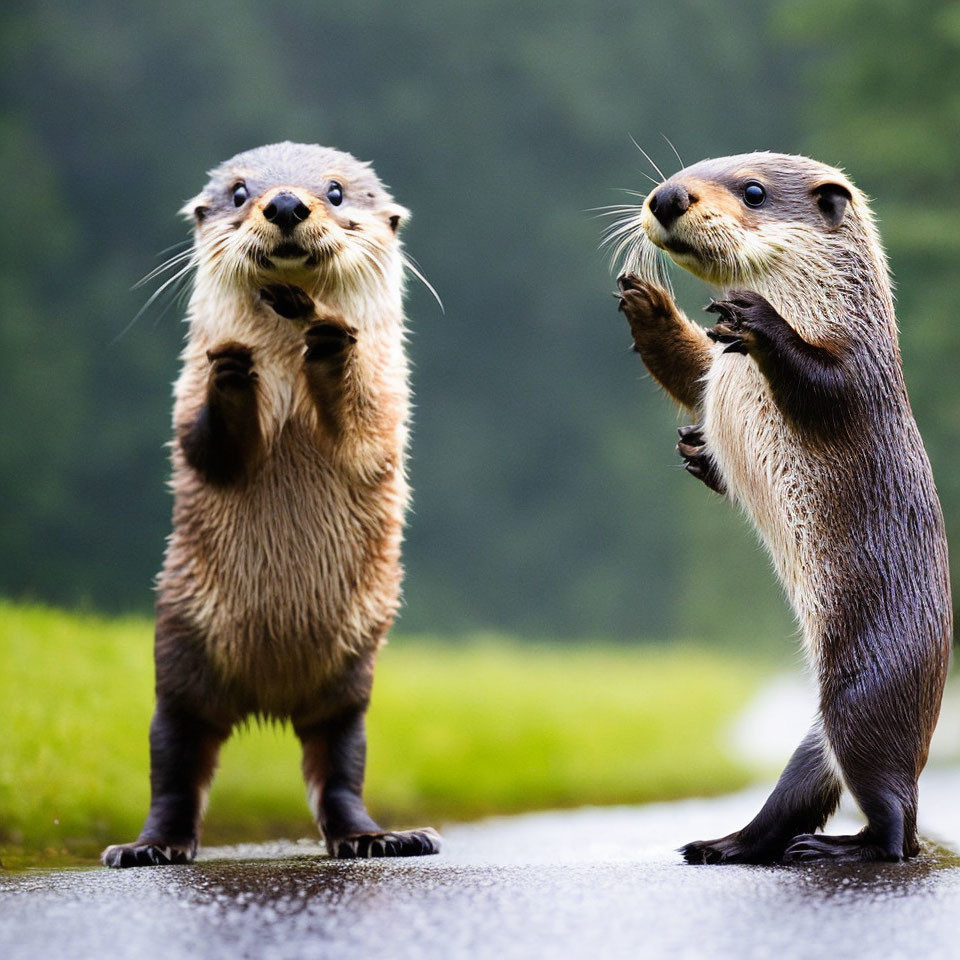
586,883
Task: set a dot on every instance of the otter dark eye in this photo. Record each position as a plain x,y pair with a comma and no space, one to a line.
335,193
754,194
240,194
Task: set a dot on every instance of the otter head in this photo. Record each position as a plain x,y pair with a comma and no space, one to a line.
755,219
298,213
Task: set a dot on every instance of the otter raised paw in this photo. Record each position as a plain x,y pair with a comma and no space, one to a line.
747,322
811,383
328,339
645,306
222,440
696,458
289,301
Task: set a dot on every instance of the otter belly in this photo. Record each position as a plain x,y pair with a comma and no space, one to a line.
289,574
769,474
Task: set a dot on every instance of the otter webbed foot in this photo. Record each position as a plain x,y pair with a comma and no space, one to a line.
148,854
388,843
697,460
289,301
733,848
746,319
855,848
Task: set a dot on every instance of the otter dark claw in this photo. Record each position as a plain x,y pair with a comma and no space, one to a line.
722,333
747,322
811,848
730,329
124,855
697,460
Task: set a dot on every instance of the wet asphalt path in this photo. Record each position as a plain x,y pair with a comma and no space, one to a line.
589,883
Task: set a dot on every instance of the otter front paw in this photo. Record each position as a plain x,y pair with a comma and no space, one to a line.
644,305
746,321
148,854
697,460
389,843
328,340
289,301
231,367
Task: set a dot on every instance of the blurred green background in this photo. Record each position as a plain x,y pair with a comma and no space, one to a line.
549,505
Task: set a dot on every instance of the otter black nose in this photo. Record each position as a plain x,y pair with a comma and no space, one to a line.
669,203
286,210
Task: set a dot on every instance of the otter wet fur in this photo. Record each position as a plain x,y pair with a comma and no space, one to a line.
282,574
804,421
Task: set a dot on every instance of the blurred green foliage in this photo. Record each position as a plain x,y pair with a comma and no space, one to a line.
548,499
455,731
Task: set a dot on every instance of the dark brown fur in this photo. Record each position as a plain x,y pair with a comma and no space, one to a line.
224,440
814,386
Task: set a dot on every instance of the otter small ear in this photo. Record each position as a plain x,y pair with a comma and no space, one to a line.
196,209
396,216
832,199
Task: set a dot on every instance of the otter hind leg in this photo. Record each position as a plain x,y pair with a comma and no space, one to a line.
890,833
805,795
183,755
334,758
879,759
857,847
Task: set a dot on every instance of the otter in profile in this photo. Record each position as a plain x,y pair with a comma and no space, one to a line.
803,419
282,574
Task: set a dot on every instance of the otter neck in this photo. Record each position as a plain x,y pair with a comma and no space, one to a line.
846,305
220,308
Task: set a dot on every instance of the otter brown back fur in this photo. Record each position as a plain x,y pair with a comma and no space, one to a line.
805,422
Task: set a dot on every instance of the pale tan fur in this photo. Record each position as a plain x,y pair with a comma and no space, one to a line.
296,568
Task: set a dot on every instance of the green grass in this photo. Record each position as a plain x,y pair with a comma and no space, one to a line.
456,731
